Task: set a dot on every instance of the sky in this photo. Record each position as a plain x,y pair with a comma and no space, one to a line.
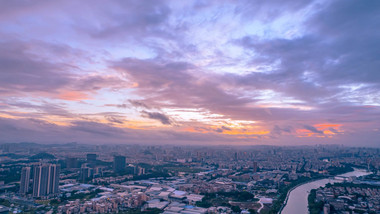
246,72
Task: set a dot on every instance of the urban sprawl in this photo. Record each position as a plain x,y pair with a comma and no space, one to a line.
80,178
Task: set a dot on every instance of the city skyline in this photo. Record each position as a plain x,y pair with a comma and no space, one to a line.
190,73
83,178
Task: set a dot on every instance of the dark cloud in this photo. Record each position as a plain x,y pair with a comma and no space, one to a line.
335,131
97,82
221,129
141,18
123,106
95,133
326,71
175,82
164,119
114,119
21,71
40,109
279,130
139,104
17,7
339,50
16,130
265,11
24,70
116,19
350,32
96,128
313,129
225,128
152,74
268,10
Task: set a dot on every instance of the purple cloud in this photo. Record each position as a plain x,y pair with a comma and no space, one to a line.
164,119
201,69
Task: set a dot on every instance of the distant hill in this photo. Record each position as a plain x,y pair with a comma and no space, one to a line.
12,155
42,155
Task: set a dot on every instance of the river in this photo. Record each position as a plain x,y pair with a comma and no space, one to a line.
297,199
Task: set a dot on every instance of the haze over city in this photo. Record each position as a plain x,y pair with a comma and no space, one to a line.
190,107
190,72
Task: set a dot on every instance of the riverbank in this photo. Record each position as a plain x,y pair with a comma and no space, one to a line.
296,186
281,201
296,200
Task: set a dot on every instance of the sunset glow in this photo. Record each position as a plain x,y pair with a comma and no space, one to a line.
190,72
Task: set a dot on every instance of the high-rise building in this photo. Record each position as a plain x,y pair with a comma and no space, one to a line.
98,172
119,163
71,163
254,166
141,171
45,180
91,157
25,180
86,173
91,160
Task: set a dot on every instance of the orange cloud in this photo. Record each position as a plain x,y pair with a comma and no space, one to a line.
328,130
326,125
228,131
7,116
245,132
73,96
14,114
191,129
307,133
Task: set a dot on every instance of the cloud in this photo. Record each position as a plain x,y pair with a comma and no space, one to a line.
338,51
209,65
42,108
278,130
140,18
165,120
95,133
73,95
20,71
313,129
114,119
176,82
139,104
96,128
100,133
24,70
